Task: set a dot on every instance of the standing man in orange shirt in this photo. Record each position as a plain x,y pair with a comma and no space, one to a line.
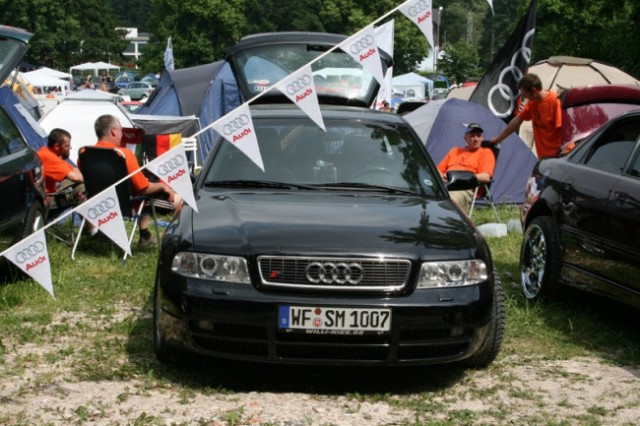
109,132
58,173
545,112
471,158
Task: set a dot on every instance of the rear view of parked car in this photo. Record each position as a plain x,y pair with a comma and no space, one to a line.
581,217
21,189
137,90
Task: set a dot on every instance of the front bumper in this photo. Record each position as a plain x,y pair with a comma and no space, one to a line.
238,322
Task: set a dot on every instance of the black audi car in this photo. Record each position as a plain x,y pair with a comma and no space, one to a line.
581,217
344,248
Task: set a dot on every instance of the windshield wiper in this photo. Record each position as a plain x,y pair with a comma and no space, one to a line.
258,184
368,186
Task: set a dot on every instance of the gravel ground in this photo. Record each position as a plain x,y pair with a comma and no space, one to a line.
52,384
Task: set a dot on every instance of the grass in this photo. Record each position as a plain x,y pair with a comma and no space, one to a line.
100,325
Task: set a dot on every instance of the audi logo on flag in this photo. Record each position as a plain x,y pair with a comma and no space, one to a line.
170,165
29,252
361,44
418,7
299,84
236,124
100,209
334,273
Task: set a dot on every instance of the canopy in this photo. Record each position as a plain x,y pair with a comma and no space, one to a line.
413,85
44,81
95,67
51,73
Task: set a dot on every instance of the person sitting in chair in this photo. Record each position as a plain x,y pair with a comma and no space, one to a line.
60,174
472,158
109,132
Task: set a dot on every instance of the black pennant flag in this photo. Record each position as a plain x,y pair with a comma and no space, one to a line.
497,89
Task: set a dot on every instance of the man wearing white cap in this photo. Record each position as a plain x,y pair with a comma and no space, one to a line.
471,158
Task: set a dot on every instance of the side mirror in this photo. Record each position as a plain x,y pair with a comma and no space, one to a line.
458,180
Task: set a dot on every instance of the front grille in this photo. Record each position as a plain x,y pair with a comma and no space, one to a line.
341,274
254,342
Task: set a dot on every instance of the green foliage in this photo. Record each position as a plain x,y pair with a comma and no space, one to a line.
459,61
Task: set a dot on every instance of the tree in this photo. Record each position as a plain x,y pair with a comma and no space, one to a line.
460,61
66,32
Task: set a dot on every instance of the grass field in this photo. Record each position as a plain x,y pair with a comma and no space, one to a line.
107,306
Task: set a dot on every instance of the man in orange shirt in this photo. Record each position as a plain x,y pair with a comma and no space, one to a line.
109,132
545,112
471,158
58,173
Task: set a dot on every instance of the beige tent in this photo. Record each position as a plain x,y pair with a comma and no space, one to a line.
559,73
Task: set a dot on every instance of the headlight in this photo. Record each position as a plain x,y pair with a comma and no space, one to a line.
452,274
211,267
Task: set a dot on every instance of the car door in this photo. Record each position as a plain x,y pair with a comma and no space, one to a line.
624,214
586,192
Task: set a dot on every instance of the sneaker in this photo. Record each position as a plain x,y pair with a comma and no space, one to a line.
146,242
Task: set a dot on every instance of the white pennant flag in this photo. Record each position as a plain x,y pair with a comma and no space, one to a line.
172,168
237,128
384,37
32,257
419,12
103,212
363,47
299,87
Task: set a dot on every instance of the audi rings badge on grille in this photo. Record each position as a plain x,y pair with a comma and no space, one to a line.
299,84
171,165
236,124
30,252
418,7
361,44
334,273
99,209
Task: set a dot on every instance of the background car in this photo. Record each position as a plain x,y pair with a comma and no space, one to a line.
21,188
581,217
137,90
336,246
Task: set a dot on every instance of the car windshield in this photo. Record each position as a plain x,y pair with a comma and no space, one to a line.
336,74
354,155
11,51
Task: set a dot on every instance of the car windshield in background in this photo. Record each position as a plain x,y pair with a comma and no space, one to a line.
349,154
335,75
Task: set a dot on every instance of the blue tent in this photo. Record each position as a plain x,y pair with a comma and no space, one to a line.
441,126
207,91
30,129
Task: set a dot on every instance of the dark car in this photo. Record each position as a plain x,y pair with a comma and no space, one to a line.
581,217
343,249
21,189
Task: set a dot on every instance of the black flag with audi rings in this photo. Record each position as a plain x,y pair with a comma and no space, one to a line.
497,89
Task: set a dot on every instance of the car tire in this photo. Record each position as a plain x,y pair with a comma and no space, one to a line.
492,342
161,348
540,259
34,220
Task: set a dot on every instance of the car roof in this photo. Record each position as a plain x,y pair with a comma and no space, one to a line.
349,113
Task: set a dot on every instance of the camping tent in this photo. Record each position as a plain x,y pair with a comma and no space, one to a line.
208,91
440,124
413,86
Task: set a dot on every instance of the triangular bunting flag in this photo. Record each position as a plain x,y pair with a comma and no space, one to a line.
32,257
103,212
364,49
173,169
419,12
299,87
237,128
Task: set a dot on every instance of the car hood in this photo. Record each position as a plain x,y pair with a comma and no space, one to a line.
329,223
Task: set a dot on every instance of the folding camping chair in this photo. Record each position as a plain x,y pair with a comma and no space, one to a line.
56,205
101,168
483,190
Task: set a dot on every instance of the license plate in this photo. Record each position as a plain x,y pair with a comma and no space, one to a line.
306,318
